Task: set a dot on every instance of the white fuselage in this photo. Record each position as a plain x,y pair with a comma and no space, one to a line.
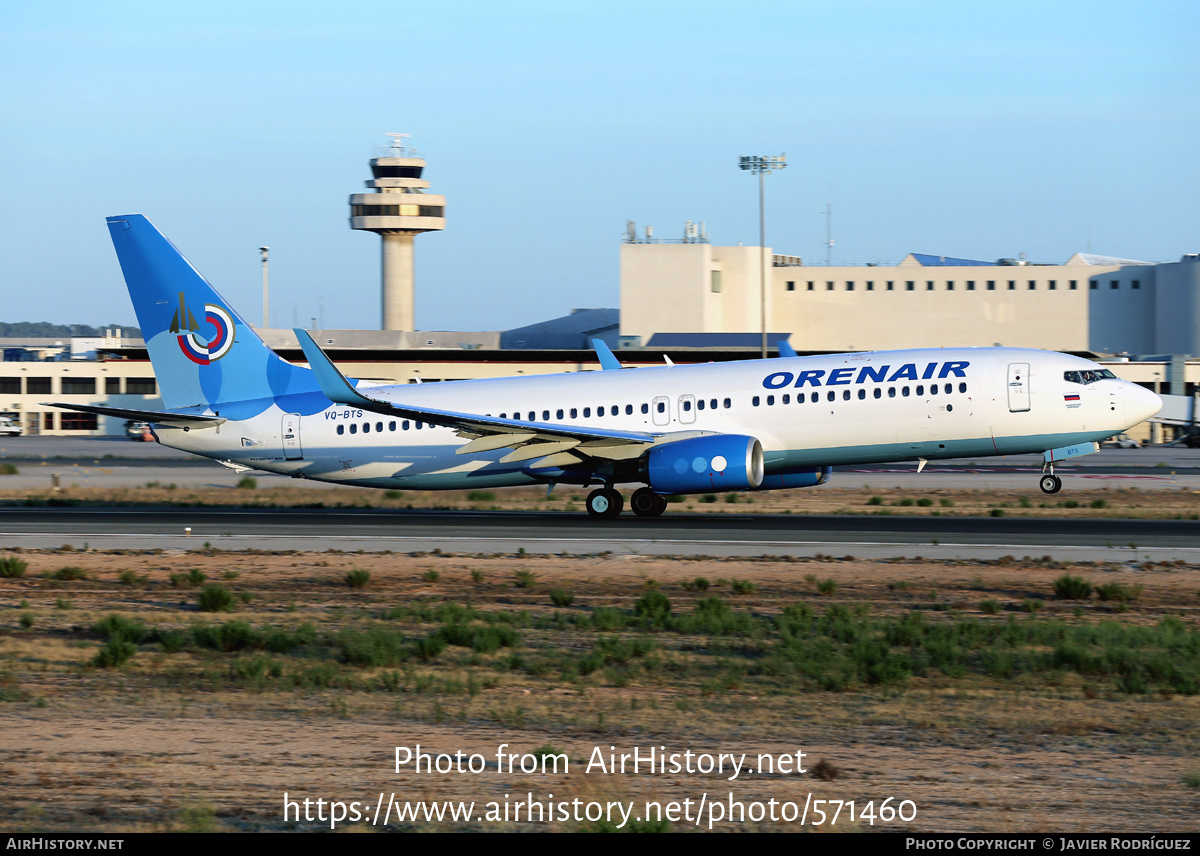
806,411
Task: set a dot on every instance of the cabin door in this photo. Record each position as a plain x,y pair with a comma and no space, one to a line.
1018,387
660,410
292,450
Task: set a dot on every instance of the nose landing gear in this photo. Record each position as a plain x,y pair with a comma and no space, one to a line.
1050,483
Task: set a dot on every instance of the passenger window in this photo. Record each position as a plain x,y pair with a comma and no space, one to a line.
845,395
574,413
728,403
391,426
545,415
933,389
558,415
920,389
949,388
962,387
587,413
353,428
700,404
379,427
599,411
831,396
404,424
799,397
662,407
713,404
628,409
417,425
862,393
754,401
878,392
787,399
341,429
891,392
532,415
645,408
366,427
770,400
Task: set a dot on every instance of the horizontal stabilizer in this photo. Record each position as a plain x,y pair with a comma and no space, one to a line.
161,417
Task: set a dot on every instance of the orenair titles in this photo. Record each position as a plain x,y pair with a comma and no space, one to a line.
876,374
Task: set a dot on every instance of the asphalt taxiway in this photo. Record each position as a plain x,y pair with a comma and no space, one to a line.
376,530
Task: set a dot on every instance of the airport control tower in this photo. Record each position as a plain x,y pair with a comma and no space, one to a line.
398,210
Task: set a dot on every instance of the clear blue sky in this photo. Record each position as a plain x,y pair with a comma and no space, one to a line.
971,129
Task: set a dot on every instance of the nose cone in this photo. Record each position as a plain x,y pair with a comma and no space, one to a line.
1140,403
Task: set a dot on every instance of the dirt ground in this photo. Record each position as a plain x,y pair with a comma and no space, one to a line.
1180,503
184,740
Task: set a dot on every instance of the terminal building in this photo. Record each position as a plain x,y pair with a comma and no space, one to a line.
688,301
1090,305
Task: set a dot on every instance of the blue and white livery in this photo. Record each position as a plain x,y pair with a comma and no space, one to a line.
747,425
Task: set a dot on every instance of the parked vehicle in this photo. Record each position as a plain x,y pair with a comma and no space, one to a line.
138,431
1121,441
9,427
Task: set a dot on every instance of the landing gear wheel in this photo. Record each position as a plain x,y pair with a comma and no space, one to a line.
604,503
1051,484
647,503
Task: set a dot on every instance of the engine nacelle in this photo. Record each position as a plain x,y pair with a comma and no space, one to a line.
796,477
703,464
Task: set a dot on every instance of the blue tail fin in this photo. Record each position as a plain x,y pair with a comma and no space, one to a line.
203,353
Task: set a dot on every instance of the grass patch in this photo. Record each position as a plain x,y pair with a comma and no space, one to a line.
357,578
524,578
13,567
1068,587
214,598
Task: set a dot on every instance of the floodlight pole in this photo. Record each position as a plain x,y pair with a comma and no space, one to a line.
762,166
263,251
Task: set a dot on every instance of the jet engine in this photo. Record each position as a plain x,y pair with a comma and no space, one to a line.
703,464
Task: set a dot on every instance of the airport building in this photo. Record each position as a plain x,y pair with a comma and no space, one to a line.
1087,305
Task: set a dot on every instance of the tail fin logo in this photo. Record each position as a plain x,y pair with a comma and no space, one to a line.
184,325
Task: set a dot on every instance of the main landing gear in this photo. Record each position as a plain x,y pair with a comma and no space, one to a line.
607,503
647,503
604,503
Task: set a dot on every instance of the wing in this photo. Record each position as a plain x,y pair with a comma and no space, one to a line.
559,445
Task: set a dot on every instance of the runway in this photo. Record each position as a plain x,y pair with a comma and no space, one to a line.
375,530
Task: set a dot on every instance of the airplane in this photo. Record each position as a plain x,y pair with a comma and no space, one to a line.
747,425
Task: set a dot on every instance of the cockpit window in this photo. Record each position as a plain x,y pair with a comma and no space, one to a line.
1089,376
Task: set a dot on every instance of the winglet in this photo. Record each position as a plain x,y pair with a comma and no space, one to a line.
605,355
333,383
785,350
